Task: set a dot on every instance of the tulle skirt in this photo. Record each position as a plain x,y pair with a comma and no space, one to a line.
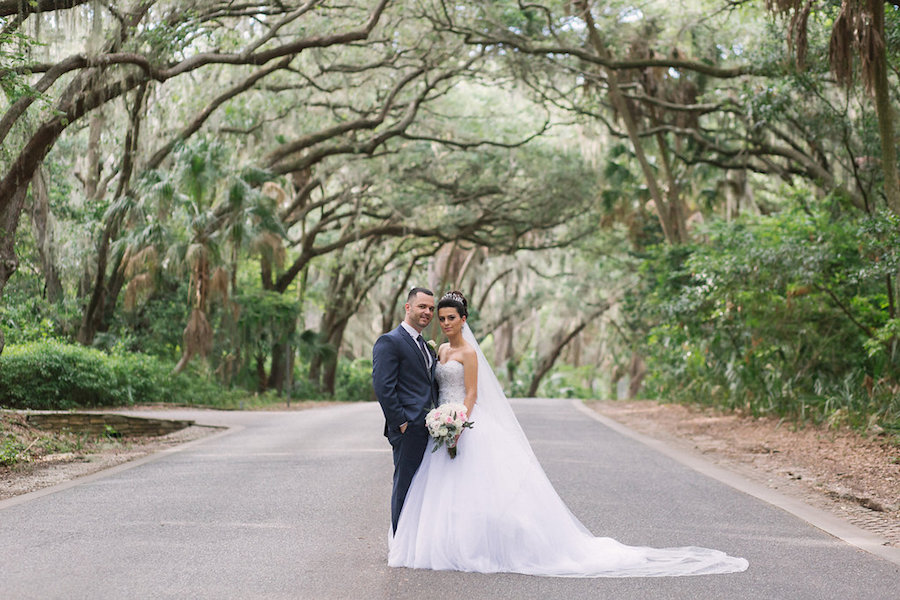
492,509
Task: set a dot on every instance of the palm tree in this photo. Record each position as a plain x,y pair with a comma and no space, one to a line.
858,31
204,216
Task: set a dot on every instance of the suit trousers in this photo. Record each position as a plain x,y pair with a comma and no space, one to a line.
409,448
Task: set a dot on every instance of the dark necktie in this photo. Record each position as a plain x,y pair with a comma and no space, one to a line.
424,350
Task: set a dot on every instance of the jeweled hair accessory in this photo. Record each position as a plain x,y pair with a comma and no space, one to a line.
456,296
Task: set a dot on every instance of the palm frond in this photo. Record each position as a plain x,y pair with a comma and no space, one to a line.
140,285
218,283
198,334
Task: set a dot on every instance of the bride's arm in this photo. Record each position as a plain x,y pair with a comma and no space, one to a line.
470,374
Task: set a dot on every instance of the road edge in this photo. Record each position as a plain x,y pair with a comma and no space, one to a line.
59,487
830,524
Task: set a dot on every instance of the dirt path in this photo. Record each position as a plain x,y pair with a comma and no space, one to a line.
843,472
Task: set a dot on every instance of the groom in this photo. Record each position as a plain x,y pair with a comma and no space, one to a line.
403,378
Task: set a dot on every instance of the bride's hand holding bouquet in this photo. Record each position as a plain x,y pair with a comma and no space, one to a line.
446,423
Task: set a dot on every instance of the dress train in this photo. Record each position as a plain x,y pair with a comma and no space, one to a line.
492,508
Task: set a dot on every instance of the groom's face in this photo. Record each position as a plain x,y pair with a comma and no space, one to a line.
419,311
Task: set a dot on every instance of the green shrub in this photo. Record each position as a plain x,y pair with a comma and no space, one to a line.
304,389
27,317
11,451
566,381
354,381
51,375
784,315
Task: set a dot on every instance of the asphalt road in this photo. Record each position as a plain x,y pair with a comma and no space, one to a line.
295,505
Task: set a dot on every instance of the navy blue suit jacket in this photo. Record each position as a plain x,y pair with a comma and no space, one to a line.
405,388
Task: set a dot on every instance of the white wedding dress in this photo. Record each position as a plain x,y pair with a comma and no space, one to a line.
492,508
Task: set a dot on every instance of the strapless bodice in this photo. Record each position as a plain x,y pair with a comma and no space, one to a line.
451,382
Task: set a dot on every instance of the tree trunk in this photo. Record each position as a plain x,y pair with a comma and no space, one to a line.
101,307
198,334
323,367
636,371
261,373
265,273
663,211
114,286
674,209
388,318
329,375
278,374
545,363
315,371
42,222
183,362
737,194
91,177
90,320
9,221
504,338
884,111
318,361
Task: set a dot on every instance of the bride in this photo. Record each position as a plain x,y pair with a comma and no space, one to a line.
492,508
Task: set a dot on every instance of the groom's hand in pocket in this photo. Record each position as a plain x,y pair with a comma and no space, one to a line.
403,427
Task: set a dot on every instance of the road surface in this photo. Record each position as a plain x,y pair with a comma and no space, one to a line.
295,505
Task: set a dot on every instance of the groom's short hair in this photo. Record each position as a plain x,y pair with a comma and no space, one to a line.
418,290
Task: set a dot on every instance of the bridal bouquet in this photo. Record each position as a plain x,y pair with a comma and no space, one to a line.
445,423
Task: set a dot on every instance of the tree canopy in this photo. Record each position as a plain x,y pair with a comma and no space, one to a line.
693,200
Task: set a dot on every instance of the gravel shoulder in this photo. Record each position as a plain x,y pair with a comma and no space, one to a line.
850,475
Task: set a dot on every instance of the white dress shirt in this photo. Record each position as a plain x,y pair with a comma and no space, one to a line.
415,336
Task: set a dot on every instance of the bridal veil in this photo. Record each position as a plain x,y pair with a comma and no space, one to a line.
492,509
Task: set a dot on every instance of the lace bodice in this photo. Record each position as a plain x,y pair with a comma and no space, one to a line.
451,382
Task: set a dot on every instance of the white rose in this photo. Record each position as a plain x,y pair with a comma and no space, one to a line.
443,431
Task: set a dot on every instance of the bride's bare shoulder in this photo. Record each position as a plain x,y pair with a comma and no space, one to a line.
468,353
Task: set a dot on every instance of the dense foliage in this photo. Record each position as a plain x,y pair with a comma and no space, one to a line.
696,202
53,375
785,315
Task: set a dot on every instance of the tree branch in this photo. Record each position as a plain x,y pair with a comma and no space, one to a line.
330,132
9,8
201,118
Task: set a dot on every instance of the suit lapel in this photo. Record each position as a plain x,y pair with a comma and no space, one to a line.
415,348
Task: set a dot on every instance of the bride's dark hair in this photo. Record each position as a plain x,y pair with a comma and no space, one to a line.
455,300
